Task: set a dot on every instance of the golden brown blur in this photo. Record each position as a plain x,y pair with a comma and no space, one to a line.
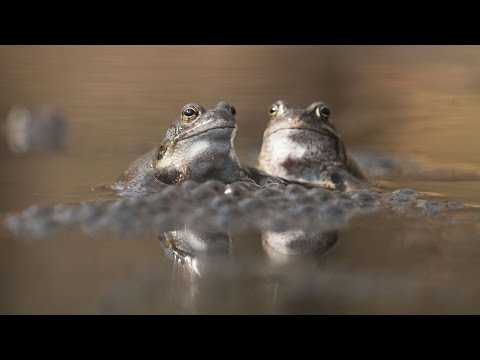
420,102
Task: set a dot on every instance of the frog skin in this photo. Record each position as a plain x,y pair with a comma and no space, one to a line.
198,146
302,145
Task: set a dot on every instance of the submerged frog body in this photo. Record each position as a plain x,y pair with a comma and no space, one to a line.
198,146
302,145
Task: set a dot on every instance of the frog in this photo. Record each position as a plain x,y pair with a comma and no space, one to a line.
303,146
198,146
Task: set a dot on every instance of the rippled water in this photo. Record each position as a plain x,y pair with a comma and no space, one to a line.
415,104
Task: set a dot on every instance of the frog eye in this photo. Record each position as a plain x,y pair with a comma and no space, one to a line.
189,113
233,110
323,111
273,110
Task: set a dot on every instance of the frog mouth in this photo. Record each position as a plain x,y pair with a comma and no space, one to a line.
194,133
326,131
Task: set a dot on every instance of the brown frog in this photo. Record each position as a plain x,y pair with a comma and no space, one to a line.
302,145
198,146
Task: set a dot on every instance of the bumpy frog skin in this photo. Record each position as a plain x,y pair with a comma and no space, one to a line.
303,145
198,146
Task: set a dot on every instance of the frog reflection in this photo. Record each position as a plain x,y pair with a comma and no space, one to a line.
196,248
199,250
291,245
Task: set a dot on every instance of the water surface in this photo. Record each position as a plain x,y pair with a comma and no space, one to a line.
415,102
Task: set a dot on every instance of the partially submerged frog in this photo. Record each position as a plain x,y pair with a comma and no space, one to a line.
198,146
302,145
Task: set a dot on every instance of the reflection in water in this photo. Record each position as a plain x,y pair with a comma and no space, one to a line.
195,249
198,250
311,283
204,261
299,242
196,253
294,250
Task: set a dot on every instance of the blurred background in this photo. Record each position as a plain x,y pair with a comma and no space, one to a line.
117,102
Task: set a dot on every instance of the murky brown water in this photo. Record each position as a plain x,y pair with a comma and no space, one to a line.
419,102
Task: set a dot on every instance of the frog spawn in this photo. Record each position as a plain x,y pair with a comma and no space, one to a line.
236,208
